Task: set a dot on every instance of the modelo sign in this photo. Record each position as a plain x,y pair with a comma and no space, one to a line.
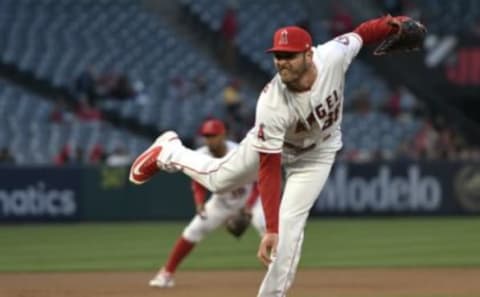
39,194
405,188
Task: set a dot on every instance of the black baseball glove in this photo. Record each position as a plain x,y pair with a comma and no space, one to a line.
238,224
409,36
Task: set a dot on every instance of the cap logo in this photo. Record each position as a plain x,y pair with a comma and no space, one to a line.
283,38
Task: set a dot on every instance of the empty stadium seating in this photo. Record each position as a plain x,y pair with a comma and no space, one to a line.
449,17
56,40
33,139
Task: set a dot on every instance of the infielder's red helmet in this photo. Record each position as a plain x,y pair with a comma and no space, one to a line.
212,127
291,39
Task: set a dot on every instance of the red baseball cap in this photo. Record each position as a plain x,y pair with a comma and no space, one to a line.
212,127
291,39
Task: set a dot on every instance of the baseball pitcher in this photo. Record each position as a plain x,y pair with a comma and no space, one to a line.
297,126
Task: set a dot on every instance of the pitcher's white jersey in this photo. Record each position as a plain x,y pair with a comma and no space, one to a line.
295,122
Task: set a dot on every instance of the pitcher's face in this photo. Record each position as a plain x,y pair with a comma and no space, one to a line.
292,66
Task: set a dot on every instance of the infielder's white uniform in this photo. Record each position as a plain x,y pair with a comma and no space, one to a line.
305,127
222,206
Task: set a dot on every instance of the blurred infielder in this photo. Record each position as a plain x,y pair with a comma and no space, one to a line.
219,208
297,125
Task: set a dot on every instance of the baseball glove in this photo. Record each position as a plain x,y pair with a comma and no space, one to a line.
409,36
238,224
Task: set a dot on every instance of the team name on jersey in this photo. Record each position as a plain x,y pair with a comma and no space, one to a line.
328,112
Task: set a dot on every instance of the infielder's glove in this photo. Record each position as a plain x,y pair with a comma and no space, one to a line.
238,224
409,36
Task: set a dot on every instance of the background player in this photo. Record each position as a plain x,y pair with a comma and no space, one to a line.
216,211
298,119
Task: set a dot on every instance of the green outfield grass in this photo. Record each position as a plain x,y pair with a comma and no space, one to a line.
420,242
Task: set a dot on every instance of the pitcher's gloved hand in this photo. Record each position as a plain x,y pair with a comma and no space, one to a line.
409,36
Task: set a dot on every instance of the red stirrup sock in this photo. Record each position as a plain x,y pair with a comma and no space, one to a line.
181,249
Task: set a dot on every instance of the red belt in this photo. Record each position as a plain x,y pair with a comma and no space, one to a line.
299,149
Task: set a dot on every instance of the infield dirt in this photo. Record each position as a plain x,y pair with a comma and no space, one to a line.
434,282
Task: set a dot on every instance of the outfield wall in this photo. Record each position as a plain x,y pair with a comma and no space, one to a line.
401,188
104,194
90,194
